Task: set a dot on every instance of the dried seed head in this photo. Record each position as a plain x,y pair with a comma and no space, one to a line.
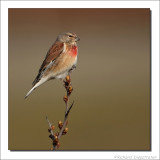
65,98
52,127
55,139
68,78
51,136
65,131
70,89
66,84
60,124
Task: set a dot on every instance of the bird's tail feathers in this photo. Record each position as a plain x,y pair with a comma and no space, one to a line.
35,86
29,92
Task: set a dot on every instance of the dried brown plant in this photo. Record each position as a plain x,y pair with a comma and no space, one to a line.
62,126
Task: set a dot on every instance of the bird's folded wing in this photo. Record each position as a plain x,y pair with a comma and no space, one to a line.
54,52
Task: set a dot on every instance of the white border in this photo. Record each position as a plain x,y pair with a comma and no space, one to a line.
153,5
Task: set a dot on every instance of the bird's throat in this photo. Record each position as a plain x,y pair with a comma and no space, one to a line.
73,51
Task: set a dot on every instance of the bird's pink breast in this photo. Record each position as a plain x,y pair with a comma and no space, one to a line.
73,51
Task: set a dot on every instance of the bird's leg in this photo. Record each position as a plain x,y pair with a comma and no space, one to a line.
71,70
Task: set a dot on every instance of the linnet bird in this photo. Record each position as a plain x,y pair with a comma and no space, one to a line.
60,60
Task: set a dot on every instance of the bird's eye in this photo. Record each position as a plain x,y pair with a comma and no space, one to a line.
70,36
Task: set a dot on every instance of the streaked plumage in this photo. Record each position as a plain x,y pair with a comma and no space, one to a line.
59,61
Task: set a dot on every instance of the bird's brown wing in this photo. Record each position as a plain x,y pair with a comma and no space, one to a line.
54,52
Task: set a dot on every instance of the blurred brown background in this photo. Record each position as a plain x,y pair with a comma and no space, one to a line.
111,82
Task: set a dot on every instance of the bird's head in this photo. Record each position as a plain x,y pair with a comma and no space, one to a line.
68,37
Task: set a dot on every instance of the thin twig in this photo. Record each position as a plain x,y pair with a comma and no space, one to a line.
65,121
69,109
50,125
62,126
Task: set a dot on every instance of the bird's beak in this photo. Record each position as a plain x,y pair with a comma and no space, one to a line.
77,39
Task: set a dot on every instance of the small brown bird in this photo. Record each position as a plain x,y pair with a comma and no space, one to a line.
60,60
